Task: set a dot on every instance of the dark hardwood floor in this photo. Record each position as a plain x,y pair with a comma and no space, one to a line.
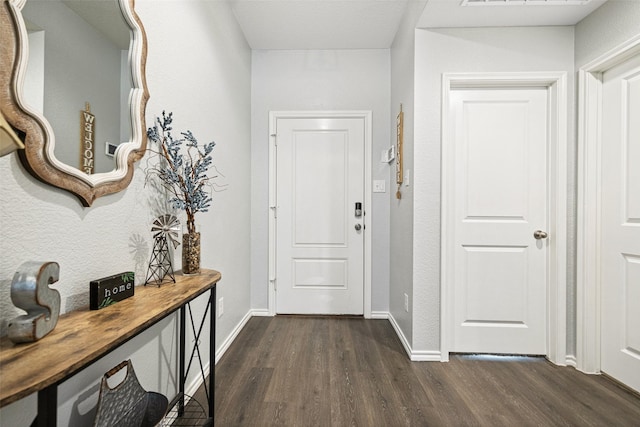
334,371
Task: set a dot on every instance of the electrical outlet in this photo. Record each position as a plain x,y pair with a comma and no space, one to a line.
220,307
406,303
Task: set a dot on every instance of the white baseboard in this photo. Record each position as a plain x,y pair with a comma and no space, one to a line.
570,360
400,334
379,315
414,355
260,313
232,336
193,386
426,356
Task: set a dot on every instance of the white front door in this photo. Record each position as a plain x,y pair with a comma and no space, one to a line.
499,269
620,234
319,234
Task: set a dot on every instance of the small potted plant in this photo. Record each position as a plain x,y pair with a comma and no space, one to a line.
183,173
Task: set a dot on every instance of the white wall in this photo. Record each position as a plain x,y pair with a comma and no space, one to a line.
319,80
464,50
198,67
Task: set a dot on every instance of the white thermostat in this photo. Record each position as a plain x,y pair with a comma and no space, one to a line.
388,155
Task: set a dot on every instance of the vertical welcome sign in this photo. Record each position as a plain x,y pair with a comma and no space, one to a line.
87,139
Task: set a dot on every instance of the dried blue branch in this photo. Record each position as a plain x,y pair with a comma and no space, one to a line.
183,171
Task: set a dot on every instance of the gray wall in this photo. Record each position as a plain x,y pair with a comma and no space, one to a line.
495,49
401,226
81,65
612,24
463,50
198,67
608,26
319,80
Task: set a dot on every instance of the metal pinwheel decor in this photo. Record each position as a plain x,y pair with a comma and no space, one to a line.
165,227
169,226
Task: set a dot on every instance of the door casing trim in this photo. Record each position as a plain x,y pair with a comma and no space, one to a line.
556,84
588,291
368,218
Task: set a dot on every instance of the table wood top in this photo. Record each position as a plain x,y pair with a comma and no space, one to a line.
83,336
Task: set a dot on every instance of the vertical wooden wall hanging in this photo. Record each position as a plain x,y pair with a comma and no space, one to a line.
87,139
399,143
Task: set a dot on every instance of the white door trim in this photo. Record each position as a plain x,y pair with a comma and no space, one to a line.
556,84
589,203
368,141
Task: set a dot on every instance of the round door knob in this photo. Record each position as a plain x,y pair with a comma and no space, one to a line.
358,227
539,234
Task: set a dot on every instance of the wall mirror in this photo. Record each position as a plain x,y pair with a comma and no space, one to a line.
76,92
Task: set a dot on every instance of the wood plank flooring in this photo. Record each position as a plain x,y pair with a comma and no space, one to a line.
334,371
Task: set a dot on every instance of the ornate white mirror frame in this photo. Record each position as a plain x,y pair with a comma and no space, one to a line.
35,131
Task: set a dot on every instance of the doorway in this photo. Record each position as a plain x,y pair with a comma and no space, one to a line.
319,199
503,214
608,335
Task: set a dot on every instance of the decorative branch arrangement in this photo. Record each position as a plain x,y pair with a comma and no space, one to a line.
182,172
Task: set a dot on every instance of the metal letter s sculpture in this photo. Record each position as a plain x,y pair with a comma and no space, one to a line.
30,291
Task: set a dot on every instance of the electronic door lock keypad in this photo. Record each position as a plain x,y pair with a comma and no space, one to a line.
358,212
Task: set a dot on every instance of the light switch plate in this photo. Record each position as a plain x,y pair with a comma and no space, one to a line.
379,186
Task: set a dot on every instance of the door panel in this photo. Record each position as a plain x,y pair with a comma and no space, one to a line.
620,237
319,180
499,269
489,196
484,305
320,254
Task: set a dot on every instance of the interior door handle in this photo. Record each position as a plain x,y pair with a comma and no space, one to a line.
539,234
358,227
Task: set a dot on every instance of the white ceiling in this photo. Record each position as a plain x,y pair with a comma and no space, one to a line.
319,24
358,24
372,24
513,13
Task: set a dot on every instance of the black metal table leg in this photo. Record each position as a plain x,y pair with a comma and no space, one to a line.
182,375
212,353
47,407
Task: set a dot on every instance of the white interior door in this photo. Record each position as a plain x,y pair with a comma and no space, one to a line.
499,269
319,234
620,234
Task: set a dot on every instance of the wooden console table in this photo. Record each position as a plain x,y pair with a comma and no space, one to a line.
83,336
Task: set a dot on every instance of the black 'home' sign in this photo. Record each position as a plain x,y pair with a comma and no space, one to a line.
110,290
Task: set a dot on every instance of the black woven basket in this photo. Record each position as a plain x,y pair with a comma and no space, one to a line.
128,404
